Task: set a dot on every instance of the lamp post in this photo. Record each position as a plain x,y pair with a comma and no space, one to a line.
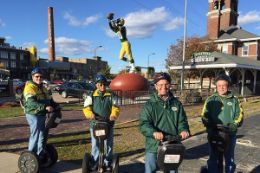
184,46
95,50
148,58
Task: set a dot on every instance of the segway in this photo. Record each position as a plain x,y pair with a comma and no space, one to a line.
29,162
100,131
170,153
219,141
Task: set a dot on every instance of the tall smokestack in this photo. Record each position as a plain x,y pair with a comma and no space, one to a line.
51,41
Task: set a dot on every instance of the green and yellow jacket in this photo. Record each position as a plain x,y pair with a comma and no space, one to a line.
36,98
103,104
167,117
222,110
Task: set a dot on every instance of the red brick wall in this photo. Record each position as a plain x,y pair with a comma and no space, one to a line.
213,25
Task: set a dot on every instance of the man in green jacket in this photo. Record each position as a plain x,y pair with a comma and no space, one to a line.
37,102
222,108
162,115
102,103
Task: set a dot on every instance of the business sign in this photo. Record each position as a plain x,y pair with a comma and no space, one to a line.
202,57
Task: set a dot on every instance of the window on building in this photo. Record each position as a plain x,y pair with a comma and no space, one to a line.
245,50
21,57
13,64
12,56
225,49
4,55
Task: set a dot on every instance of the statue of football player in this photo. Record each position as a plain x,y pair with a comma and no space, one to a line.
118,27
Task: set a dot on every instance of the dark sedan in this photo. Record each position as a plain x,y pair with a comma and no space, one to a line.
75,89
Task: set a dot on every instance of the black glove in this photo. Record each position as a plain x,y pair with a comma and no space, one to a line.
232,128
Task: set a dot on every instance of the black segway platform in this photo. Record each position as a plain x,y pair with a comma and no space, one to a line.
170,153
100,131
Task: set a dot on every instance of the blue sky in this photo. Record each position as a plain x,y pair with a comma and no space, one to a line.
81,26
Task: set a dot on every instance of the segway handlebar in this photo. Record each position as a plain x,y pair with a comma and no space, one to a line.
101,119
171,139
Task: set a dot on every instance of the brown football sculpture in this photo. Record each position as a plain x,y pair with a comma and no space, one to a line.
129,85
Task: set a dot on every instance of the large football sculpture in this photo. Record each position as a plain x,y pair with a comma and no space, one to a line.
129,85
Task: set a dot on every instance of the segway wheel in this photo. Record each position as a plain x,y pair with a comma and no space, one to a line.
204,169
86,168
115,164
52,153
28,162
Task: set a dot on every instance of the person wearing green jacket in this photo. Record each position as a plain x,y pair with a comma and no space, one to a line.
101,103
162,115
36,103
222,108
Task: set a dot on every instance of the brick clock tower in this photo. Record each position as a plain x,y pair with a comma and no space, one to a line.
221,15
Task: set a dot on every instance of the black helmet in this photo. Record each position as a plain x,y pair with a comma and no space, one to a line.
100,79
160,76
37,70
223,77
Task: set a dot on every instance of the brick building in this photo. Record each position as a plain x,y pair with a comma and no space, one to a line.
240,49
16,60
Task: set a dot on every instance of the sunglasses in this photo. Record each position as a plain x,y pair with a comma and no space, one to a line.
38,76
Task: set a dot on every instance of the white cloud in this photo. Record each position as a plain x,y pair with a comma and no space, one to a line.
174,24
250,17
2,24
28,44
142,24
69,46
73,21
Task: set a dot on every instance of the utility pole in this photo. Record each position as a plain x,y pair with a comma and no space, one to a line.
184,45
149,59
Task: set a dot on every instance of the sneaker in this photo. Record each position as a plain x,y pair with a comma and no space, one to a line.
108,168
94,167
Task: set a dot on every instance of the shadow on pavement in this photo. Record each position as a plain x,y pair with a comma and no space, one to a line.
196,152
129,168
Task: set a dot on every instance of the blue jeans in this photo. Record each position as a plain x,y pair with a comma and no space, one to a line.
108,147
230,165
150,163
37,133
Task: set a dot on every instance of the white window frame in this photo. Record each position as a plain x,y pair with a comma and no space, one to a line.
243,50
13,64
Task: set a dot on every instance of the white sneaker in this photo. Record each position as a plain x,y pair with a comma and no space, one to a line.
132,68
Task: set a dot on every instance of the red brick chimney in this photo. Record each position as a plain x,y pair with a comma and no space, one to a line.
51,41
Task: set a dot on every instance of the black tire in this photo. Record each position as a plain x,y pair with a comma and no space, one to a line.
52,153
28,162
64,94
115,164
203,169
86,167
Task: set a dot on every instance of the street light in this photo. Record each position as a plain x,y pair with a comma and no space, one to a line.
95,50
148,58
184,45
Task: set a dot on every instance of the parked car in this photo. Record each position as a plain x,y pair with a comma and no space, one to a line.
75,89
19,88
58,82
